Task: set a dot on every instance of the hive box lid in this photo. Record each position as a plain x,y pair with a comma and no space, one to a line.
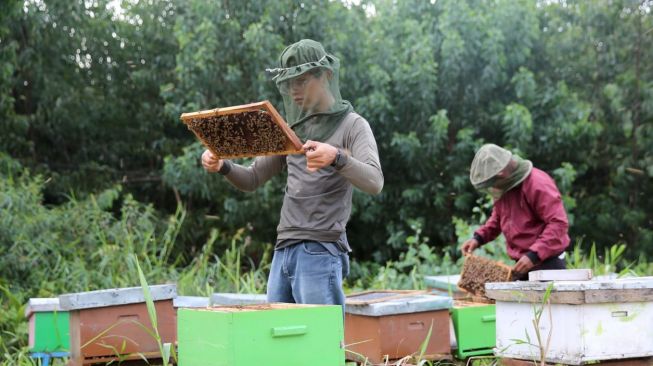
403,305
41,304
237,299
447,282
190,302
116,296
604,284
560,275
634,289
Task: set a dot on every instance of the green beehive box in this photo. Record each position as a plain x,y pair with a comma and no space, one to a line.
49,328
265,334
475,328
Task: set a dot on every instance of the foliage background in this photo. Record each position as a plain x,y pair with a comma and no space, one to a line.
95,163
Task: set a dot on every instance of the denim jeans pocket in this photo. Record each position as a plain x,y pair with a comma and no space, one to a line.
315,248
344,258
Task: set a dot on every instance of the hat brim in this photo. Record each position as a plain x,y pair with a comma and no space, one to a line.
295,71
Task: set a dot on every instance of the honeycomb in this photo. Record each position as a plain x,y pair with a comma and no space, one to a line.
249,133
477,271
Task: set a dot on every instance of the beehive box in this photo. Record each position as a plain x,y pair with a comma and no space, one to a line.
588,320
397,326
446,285
108,323
225,298
243,131
190,302
477,271
49,330
267,334
475,328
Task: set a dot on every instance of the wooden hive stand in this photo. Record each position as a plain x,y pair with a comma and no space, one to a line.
249,130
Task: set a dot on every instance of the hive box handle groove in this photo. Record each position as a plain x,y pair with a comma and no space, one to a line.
289,331
488,318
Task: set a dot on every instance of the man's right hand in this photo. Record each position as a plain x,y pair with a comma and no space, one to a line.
469,246
210,162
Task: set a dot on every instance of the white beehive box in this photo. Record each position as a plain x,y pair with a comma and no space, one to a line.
588,320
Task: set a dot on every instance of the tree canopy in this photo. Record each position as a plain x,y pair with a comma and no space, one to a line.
91,92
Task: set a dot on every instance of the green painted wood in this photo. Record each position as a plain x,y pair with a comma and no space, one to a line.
289,331
475,328
51,331
294,336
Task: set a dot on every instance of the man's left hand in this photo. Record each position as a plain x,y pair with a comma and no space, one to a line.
523,265
318,155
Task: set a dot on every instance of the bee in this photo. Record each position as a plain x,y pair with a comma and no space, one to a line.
249,133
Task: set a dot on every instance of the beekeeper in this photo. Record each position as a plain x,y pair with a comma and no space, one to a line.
311,252
527,210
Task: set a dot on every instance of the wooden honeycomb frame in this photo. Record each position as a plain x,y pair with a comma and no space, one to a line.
473,280
292,144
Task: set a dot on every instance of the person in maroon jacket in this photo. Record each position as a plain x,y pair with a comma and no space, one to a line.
528,210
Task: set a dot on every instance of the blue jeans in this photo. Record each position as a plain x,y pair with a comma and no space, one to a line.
308,273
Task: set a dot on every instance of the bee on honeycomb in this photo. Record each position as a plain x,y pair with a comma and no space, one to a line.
249,133
477,271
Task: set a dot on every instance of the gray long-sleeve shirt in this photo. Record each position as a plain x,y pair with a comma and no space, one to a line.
317,205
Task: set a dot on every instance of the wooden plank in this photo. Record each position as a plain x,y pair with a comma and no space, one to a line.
618,296
297,144
403,305
392,295
130,359
574,297
115,296
634,283
561,275
225,110
76,358
567,297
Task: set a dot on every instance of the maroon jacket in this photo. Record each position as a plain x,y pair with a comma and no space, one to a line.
531,217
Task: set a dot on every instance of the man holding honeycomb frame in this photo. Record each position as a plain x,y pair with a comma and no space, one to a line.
527,210
311,252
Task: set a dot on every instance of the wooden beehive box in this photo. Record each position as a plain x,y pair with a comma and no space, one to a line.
106,325
225,298
191,302
248,130
475,328
380,324
446,285
588,321
49,330
477,271
263,334
374,296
